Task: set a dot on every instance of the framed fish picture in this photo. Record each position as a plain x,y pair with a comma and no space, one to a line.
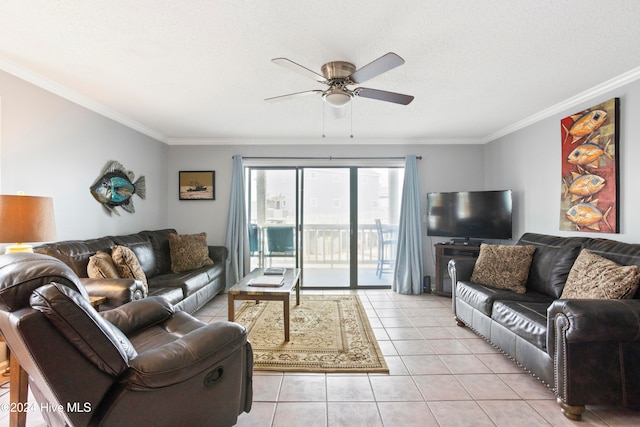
197,185
590,175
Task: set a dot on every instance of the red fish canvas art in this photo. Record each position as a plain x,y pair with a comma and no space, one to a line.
590,178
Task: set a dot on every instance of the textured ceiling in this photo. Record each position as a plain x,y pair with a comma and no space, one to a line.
198,71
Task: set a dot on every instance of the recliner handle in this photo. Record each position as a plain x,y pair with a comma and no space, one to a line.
213,376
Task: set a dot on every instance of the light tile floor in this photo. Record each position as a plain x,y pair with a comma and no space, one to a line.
440,375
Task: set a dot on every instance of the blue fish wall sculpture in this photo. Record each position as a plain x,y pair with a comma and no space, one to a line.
116,187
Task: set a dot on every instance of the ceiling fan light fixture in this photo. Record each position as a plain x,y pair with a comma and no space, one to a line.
336,97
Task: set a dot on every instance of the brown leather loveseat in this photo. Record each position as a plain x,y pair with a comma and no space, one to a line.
586,350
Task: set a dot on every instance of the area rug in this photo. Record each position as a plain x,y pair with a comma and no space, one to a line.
328,333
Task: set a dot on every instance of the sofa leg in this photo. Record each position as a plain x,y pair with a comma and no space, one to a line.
571,412
459,322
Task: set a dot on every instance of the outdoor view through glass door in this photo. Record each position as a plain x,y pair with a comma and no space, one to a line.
338,224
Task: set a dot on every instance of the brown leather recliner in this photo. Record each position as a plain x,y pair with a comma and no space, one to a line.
139,364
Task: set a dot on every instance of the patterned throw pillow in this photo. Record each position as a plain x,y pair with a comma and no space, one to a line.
127,264
503,266
595,277
188,251
101,267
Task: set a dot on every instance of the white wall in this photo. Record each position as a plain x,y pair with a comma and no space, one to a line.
528,161
442,168
53,147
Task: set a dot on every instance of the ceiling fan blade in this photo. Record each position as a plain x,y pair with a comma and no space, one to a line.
381,65
294,95
383,95
287,63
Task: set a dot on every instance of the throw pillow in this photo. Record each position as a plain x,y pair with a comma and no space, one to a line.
101,267
595,277
127,264
503,266
188,251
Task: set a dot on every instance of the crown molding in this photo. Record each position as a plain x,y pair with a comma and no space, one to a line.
70,95
601,89
66,93
322,141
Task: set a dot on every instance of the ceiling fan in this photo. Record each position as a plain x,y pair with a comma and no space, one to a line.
338,75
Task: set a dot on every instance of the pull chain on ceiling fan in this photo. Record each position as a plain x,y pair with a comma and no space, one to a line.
339,75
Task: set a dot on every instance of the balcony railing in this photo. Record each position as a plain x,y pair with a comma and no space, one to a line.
330,244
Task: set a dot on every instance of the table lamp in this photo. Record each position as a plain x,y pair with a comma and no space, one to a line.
26,219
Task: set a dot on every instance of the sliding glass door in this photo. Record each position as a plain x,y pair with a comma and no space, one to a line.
379,197
326,227
273,217
339,224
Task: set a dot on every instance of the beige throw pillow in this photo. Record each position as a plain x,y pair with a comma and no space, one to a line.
101,267
188,251
503,266
128,265
595,277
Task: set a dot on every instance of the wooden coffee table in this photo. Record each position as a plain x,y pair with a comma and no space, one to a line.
243,291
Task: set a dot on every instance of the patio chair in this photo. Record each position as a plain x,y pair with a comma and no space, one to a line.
280,242
386,244
254,242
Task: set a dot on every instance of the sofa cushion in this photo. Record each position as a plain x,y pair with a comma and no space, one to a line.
171,294
551,262
595,277
188,252
482,297
101,267
189,281
160,242
503,266
528,320
76,253
127,264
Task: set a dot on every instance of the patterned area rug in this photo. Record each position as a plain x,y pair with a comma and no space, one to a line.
329,333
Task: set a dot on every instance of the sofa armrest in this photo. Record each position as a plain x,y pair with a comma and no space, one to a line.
460,270
117,291
218,254
592,320
140,314
190,355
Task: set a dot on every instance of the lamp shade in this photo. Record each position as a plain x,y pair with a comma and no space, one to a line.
26,219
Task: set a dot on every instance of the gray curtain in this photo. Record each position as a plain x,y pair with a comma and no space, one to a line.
237,241
409,263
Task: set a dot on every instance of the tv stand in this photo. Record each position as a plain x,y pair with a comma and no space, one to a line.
444,253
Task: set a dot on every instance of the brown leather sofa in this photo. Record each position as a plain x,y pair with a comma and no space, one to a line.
187,291
140,364
586,350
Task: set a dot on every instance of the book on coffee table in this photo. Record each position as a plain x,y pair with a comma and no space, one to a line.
267,281
274,271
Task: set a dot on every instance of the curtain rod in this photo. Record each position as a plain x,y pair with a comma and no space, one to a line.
328,158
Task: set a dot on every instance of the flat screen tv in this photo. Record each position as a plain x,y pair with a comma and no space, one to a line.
470,215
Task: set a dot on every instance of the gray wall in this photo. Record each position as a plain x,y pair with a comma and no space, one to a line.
53,147
528,161
442,168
